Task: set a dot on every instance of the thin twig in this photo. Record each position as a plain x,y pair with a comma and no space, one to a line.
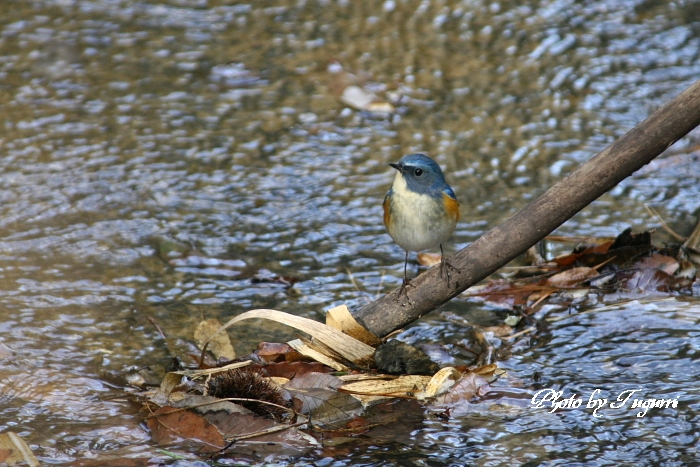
352,279
518,334
381,284
668,229
153,322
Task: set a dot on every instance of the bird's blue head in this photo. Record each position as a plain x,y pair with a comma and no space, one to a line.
422,175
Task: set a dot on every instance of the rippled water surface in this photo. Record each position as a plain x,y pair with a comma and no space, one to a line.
157,156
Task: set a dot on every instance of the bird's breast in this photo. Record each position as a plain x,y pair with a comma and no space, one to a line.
418,221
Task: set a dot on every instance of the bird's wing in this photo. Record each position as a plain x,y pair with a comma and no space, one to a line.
387,211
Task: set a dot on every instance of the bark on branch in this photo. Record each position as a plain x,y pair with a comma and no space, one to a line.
535,221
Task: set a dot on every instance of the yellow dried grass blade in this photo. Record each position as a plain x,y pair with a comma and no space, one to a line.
304,349
350,349
341,319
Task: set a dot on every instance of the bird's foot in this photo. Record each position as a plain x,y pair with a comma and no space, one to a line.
404,290
445,267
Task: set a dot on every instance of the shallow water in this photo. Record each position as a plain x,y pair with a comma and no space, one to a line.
137,135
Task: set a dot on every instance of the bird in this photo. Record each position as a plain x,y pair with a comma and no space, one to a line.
420,210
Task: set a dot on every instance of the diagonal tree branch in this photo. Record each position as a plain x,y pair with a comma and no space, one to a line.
536,220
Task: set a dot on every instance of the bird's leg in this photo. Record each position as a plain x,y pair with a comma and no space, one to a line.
445,266
406,282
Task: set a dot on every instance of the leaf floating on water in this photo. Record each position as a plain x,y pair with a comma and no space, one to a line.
286,281
356,97
359,98
649,279
170,424
489,372
325,405
458,398
572,277
503,330
261,434
503,293
664,263
627,266
440,383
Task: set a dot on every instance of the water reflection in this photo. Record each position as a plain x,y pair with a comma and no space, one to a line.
157,156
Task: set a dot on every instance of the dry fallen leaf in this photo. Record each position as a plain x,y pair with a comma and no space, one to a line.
169,424
664,263
325,405
471,385
572,277
315,380
219,343
274,352
361,99
372,388
13,450
440,383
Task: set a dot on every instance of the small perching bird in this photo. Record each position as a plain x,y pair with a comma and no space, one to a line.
420,210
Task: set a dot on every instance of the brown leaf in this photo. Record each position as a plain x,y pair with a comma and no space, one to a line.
113,459
647,279
233,421
664,263
220,344
502,330
359,425
251,429
572,277
502,293
571,258
467,388
621,257
315,380
169,424
273,352
324,405
291,369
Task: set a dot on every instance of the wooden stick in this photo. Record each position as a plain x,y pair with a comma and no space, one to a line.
535,221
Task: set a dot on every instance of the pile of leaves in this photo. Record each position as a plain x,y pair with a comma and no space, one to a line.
607,270
288,398
276,401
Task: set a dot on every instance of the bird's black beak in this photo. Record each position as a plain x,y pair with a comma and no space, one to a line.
398,167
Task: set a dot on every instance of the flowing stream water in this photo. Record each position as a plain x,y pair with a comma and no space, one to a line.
156,156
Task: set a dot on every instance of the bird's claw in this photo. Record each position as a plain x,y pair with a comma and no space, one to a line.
445,266
404,290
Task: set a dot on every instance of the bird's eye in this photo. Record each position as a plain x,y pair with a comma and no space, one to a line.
418,172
